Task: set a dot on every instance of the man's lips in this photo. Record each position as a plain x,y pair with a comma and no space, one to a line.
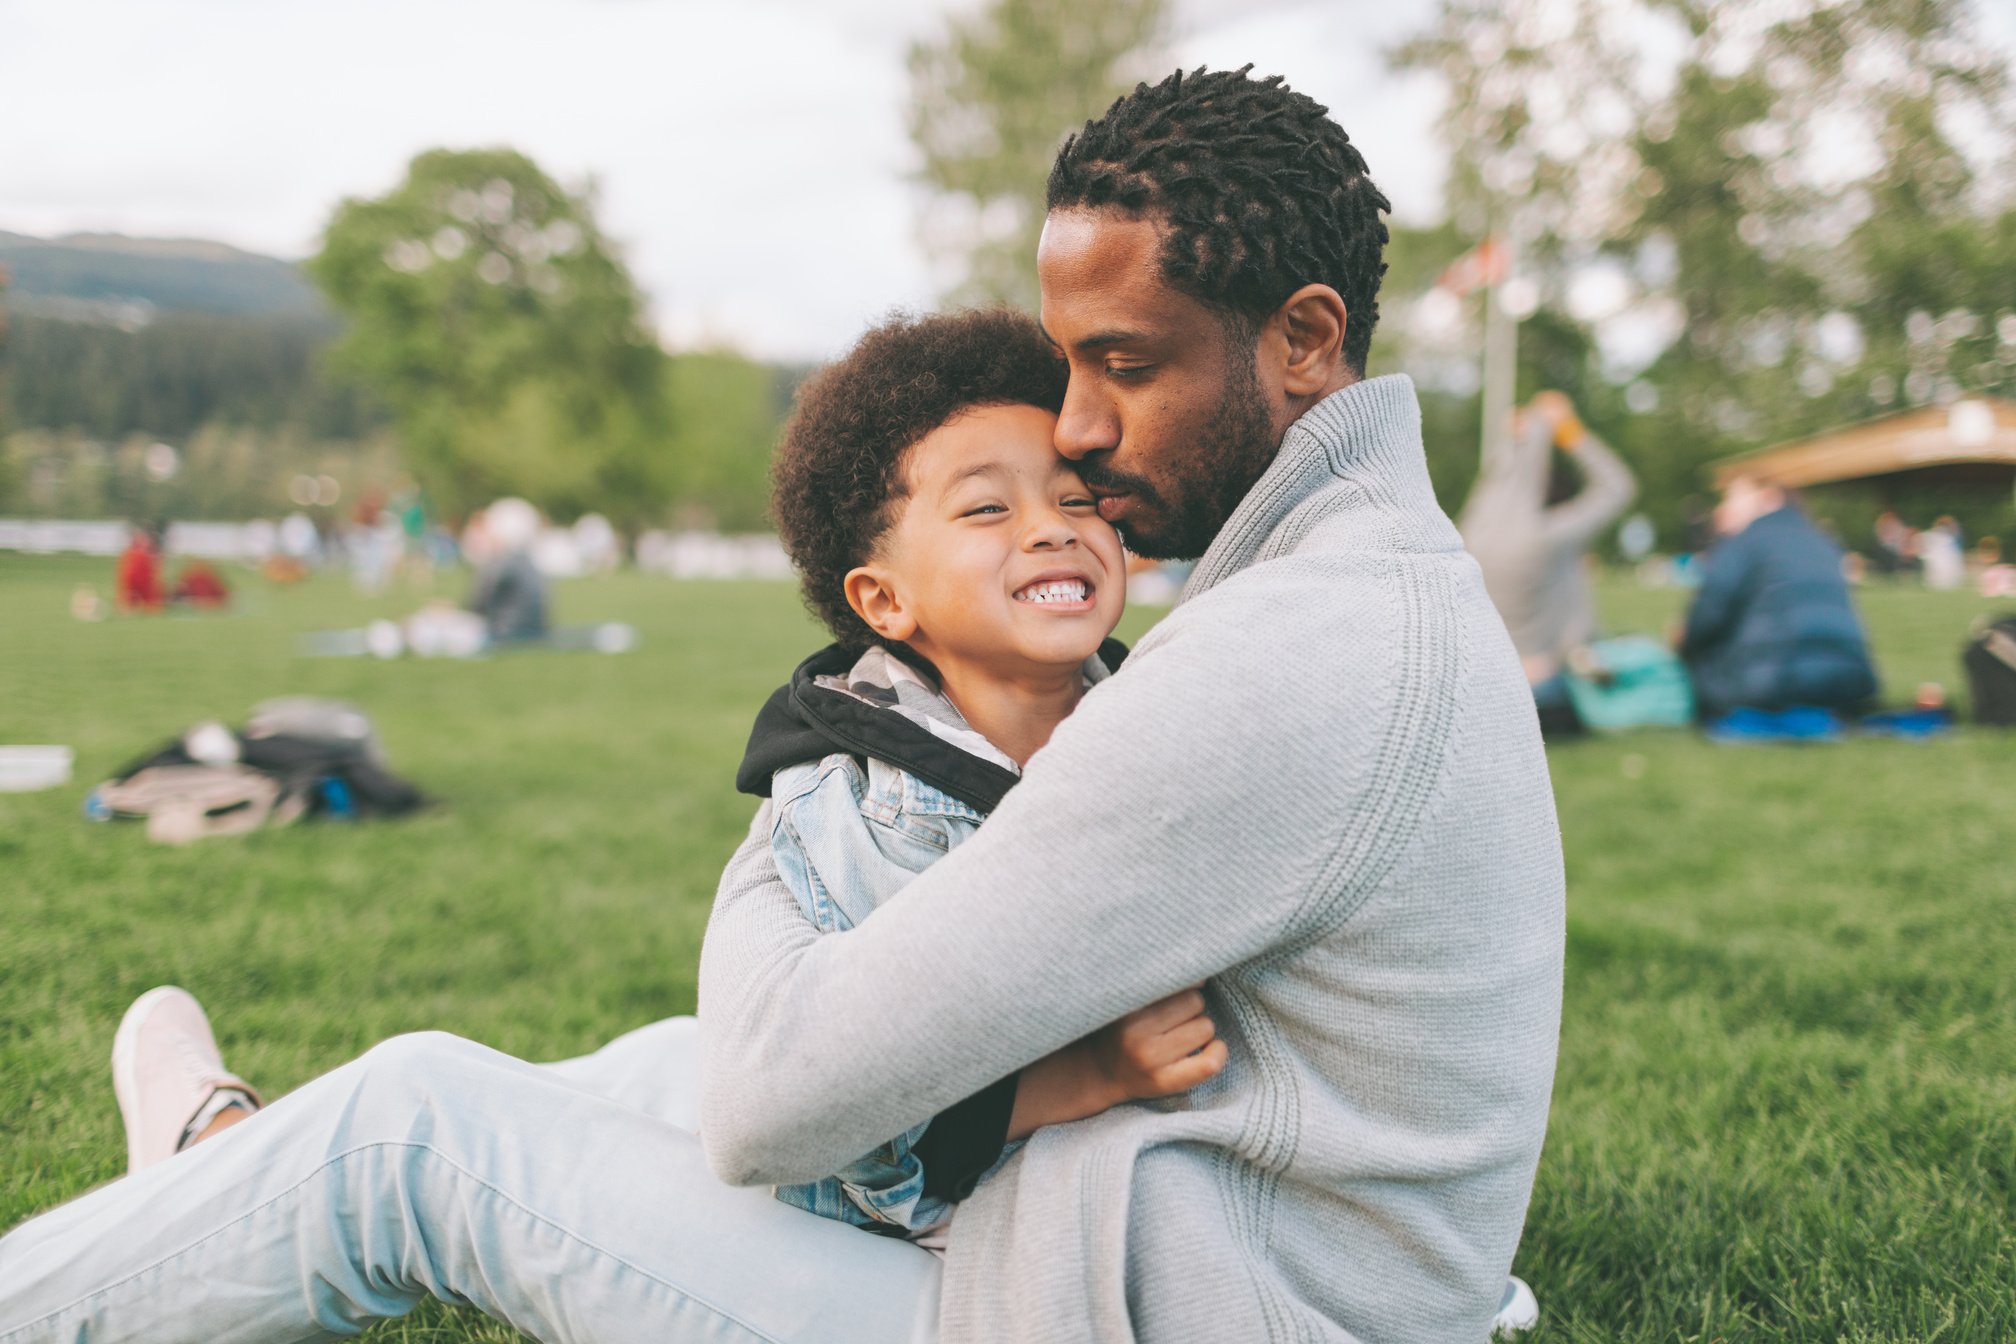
1112,506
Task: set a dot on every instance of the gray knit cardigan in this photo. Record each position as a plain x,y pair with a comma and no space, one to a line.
1319,783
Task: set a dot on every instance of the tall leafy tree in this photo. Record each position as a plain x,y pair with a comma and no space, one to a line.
1788,199
490,313
8,486
989,101
1542,96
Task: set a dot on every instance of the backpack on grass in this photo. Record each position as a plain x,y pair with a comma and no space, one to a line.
1990,660
296,758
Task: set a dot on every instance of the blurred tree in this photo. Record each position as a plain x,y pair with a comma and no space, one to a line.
1765,220
224,472
729,415
9,474
989,102
489,312
180,372
1542,96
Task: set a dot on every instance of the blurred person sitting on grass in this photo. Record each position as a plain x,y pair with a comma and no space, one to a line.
1773,625
1317,787
509,592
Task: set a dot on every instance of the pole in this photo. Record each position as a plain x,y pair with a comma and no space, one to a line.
1501,360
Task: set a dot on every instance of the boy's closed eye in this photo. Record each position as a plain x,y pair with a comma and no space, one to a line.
991,508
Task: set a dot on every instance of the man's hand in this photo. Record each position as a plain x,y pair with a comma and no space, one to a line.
1168,1047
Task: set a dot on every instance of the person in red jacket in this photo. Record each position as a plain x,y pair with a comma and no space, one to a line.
138,583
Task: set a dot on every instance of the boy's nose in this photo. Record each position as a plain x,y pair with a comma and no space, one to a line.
1052,534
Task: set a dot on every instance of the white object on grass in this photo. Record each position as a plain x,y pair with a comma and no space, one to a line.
615,637
1518,1310
383,640
211,744
26,769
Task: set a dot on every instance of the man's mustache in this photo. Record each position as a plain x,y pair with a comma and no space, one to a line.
1102,477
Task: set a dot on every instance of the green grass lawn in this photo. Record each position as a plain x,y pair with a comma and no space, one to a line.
1784,1108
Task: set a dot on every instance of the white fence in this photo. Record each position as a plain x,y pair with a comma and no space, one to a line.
212,541
561,552
711,555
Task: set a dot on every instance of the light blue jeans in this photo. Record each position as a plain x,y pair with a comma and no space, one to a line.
570,1200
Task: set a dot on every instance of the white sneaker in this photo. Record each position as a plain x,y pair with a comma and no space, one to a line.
1518,1310
165,1070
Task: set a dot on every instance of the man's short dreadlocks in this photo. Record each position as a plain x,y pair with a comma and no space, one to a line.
1261,191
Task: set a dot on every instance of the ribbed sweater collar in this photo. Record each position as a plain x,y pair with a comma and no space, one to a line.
1368,433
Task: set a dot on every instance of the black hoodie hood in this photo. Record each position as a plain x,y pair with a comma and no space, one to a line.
822,709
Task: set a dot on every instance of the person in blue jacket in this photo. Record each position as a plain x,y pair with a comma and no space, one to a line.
1772,625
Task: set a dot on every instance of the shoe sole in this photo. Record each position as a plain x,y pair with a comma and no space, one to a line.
125,1065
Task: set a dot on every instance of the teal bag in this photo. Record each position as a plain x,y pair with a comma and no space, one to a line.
1631,682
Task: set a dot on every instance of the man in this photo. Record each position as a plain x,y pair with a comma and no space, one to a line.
1772,625
1317,787
1318,783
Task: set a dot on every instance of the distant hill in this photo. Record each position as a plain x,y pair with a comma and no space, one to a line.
109,278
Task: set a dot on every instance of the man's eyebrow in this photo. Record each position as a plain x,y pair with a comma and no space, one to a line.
1098,340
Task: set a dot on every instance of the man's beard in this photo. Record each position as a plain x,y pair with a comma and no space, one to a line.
1201,481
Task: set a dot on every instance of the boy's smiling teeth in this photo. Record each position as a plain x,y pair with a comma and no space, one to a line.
1056,590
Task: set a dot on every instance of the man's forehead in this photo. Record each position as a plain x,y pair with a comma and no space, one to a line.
1100,273
1114,234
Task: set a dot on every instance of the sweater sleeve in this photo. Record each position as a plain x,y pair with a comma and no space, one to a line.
1131,861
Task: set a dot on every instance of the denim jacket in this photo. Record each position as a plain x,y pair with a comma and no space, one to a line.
846,839
851,828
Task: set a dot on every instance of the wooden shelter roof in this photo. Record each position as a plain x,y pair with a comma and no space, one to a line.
1977,436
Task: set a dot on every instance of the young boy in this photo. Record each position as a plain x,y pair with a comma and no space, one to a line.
971,587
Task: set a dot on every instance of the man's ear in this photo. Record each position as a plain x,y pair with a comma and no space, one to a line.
876,602
1311,333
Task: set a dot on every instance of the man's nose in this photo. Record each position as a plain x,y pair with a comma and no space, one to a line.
1086,424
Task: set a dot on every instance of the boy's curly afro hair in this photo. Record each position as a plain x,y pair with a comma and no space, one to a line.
839,476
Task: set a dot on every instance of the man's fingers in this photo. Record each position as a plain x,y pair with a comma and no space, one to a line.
1189,1071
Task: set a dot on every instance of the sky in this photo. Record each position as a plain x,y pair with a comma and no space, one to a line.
750,158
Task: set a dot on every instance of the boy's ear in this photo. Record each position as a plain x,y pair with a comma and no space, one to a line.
876,602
